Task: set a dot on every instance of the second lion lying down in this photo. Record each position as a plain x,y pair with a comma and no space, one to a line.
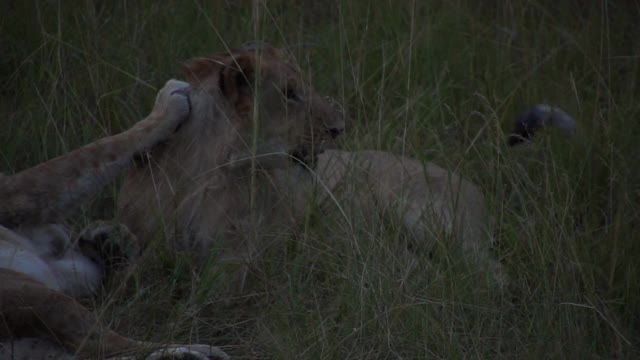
43,272
253,156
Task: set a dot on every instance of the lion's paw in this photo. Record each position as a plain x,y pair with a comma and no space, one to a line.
189,352
110,244
173,102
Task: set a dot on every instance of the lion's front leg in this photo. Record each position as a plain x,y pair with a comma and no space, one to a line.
50,191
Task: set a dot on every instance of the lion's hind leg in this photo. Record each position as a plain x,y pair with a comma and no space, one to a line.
30,309
33,348
38,348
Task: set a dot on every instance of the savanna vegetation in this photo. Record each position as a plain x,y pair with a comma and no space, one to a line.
436,80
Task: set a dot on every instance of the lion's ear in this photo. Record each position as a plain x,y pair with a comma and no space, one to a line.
237,80
234,72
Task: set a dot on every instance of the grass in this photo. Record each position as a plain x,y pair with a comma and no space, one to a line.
436,80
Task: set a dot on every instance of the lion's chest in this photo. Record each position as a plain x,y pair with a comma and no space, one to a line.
240,216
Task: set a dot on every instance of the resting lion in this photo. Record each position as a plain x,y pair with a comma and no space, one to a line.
41,270
255,152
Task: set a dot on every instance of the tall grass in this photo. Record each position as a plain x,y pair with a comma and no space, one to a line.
435,80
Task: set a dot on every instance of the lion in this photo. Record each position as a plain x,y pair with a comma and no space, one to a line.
42,271
258,150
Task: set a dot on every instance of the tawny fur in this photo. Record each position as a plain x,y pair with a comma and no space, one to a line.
198,194
41,270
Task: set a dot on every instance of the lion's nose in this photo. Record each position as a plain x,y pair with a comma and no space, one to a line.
334,132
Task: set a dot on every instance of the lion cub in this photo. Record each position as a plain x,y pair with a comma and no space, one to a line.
252,158
41,270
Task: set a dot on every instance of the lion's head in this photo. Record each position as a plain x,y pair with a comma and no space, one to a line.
266,108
